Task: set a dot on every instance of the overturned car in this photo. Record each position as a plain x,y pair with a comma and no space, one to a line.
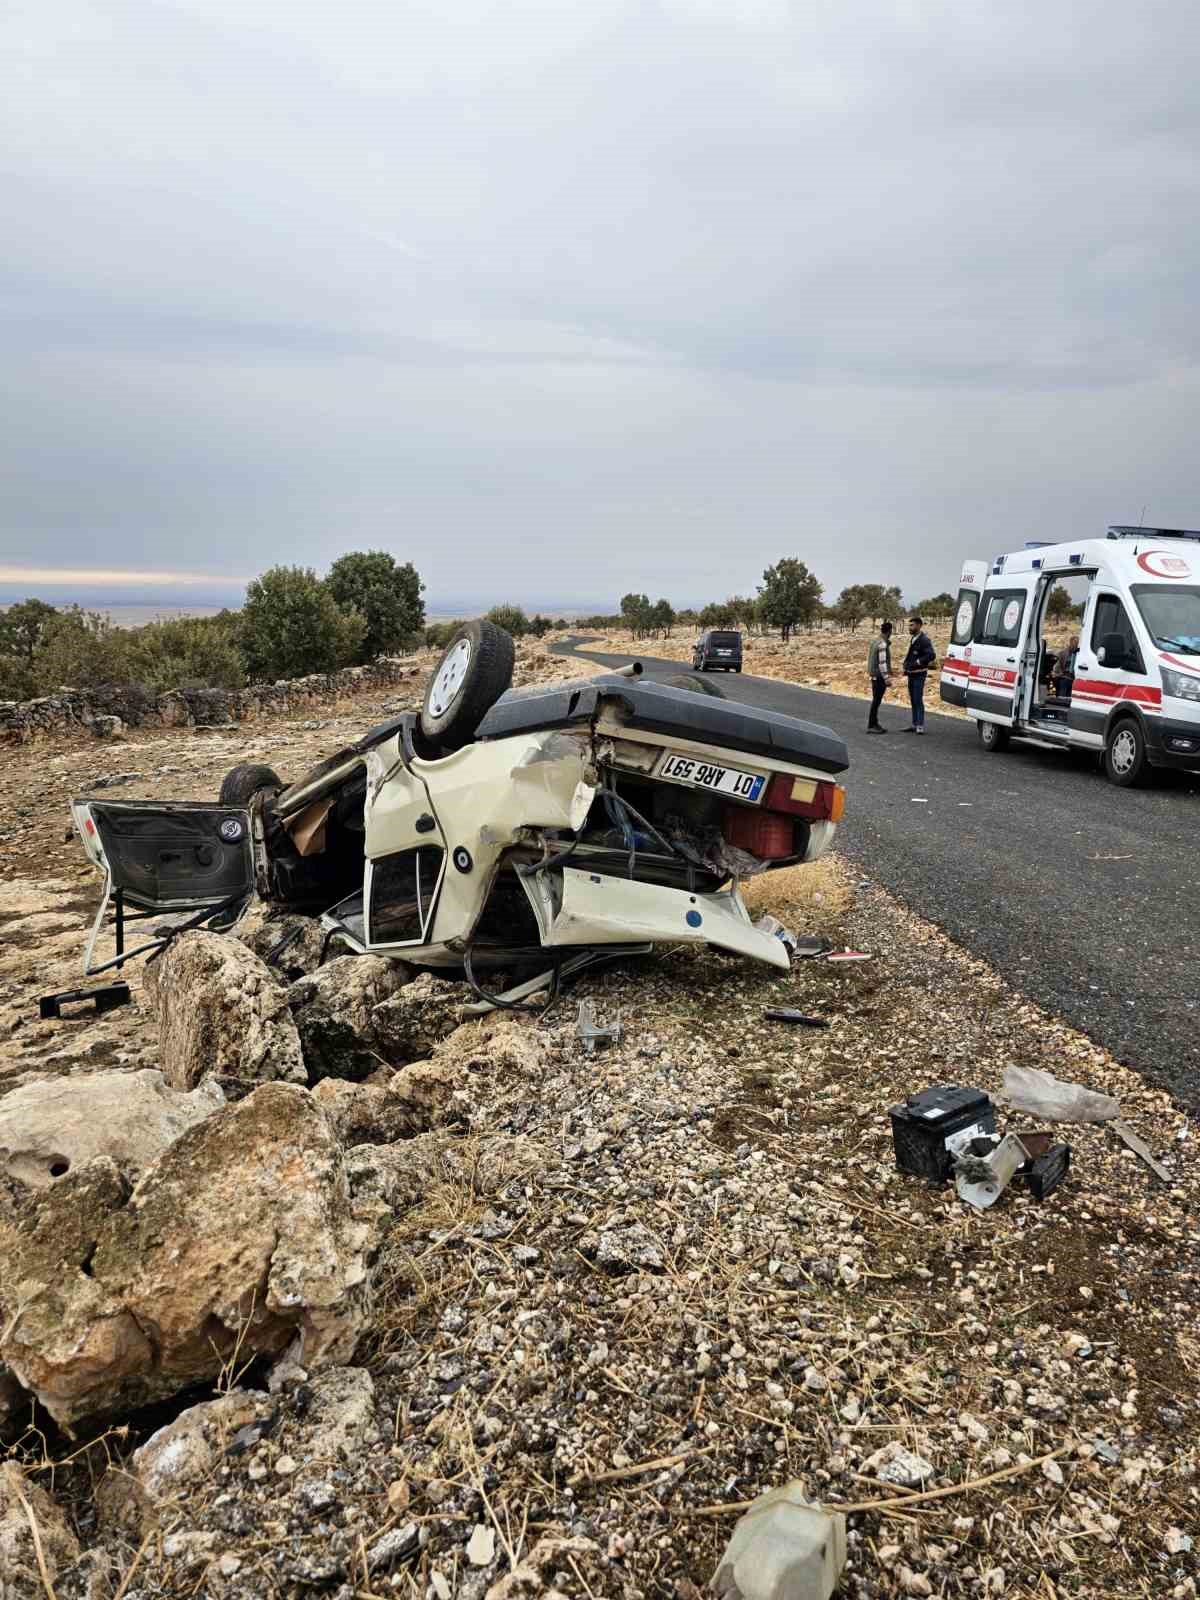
524,830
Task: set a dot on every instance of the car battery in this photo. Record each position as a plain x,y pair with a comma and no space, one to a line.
923,1124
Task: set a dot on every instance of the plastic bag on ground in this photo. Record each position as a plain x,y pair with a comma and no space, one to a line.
1052,1099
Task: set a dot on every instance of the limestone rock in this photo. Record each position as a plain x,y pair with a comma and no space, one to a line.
18,1553
340,1420
417,1017
221,1012
497,1044
239,1241
333,1009
368,1113
49,1127
176,1458
624,1249
304,938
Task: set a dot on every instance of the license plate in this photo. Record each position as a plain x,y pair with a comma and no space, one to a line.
708,775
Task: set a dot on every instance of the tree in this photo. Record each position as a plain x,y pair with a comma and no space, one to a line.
292,625
938,605
23,628
540,626
511,618
790,594
187,652
637,614
662,615
850,607
386,595
716,615
1059,605
880,603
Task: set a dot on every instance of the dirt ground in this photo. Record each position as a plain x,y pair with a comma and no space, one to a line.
827,659
644,1286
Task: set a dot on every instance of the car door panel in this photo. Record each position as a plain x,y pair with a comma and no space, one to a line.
169,857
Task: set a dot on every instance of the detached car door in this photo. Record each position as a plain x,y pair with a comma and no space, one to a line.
1001,624
173,856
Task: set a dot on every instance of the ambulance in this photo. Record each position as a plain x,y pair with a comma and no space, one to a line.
1133,699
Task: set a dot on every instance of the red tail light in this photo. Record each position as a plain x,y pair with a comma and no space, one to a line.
764,834
805,797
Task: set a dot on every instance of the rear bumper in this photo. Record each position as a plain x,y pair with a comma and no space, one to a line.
585,909
1172,743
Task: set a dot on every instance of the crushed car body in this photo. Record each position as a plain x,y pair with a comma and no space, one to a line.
496,828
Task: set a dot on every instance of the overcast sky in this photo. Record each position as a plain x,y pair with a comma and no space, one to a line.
561,300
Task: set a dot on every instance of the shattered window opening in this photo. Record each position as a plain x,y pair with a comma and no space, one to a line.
403,889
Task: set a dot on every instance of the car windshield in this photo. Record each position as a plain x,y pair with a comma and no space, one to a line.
725,638
1172,615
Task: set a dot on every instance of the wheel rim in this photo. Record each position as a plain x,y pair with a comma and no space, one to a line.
989,733
450,678
1124,753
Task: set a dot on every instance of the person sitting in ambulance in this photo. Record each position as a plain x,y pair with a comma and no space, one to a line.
1064,669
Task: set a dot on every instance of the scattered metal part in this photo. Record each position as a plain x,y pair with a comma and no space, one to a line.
1049,1162
981,1180
786,1014
106,997
1141,1149
591,1032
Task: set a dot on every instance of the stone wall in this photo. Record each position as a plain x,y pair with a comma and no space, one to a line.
136,706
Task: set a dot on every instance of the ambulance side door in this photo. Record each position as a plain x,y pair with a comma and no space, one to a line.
1001,626
956,667
1111,666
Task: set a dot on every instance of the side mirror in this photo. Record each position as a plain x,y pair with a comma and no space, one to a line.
1112,650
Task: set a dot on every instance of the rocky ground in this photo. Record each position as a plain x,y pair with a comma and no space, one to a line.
401,1303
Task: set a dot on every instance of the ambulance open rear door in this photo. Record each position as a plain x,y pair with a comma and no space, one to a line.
1002,625
956,668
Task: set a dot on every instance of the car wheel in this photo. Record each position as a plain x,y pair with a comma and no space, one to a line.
993,737
475,670
1125,754
680,680
241,784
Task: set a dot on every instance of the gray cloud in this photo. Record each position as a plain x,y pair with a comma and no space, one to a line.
559,300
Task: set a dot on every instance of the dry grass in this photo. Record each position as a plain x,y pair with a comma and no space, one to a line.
812,898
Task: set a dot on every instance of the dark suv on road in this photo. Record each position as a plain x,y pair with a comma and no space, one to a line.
718,648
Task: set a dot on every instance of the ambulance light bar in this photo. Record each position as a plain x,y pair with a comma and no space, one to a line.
1118,531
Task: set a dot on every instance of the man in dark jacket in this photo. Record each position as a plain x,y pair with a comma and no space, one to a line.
879,670
921,656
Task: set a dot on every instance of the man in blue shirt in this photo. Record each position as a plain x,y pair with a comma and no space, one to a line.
921,656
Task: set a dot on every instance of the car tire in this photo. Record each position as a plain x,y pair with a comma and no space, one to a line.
240,784
1125,762
475,669
680,680
992,737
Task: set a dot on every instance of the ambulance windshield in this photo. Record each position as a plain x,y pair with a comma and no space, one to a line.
1172,615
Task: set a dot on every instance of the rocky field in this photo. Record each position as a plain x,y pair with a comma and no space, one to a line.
310,1285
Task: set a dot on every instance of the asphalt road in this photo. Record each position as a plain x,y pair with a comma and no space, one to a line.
1083,896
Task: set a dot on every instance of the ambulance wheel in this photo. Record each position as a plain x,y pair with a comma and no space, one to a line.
475,670
240,784
993,737
1125,754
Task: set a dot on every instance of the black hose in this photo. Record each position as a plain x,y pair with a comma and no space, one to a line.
511,1005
